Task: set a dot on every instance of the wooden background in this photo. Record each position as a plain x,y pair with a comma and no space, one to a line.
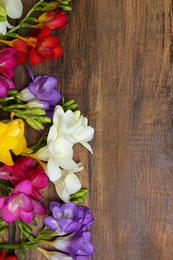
118,66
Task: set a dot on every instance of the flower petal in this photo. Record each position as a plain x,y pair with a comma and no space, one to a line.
24,187
13,8
72,183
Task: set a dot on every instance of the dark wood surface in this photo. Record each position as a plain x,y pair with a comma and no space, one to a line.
117,65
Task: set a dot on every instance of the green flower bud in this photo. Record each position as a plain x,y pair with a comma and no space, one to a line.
79,196
34,123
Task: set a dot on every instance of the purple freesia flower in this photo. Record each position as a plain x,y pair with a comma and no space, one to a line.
43,90
77,244
20,204
68,218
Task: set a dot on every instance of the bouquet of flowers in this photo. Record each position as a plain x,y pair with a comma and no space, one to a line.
27,170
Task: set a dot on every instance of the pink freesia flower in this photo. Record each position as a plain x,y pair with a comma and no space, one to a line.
25,169
7,63
20,204
5,85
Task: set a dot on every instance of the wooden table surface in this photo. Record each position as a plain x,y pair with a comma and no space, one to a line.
118,66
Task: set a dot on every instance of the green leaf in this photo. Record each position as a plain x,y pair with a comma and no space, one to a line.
25,226
29,236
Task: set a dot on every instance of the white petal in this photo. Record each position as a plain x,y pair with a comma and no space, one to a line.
53,171
52,134
62,146
69,117
86,136
3,28
65,162
26,95
87,146
42,154
9,25
51,149
14,8
57,112
72,183
62,191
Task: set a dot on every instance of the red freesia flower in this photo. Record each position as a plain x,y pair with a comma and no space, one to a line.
3,256
39,45
46,47
52,20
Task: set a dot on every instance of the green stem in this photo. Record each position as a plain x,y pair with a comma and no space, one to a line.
24,19
18,246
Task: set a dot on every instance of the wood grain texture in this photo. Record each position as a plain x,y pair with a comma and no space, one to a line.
118,66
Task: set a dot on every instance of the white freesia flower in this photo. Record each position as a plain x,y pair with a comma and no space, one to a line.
58,153
73,126
68,128
68,184
11,8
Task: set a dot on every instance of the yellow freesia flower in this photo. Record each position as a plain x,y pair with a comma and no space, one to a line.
12,138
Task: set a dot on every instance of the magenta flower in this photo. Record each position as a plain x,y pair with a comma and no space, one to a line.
25,169
20,204
68,218
42,89
5,85
7,63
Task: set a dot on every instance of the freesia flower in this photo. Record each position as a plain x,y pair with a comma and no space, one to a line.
67,184
52,20
53,255
39,45
20,204
5,85
7,63
77,244
4,257
41,92
58,153
25,169
68,218
68,128
11,8
73,126
12,138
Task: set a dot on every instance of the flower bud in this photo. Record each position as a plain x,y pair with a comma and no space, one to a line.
37,111
50,6
34,123
38,104
52,20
